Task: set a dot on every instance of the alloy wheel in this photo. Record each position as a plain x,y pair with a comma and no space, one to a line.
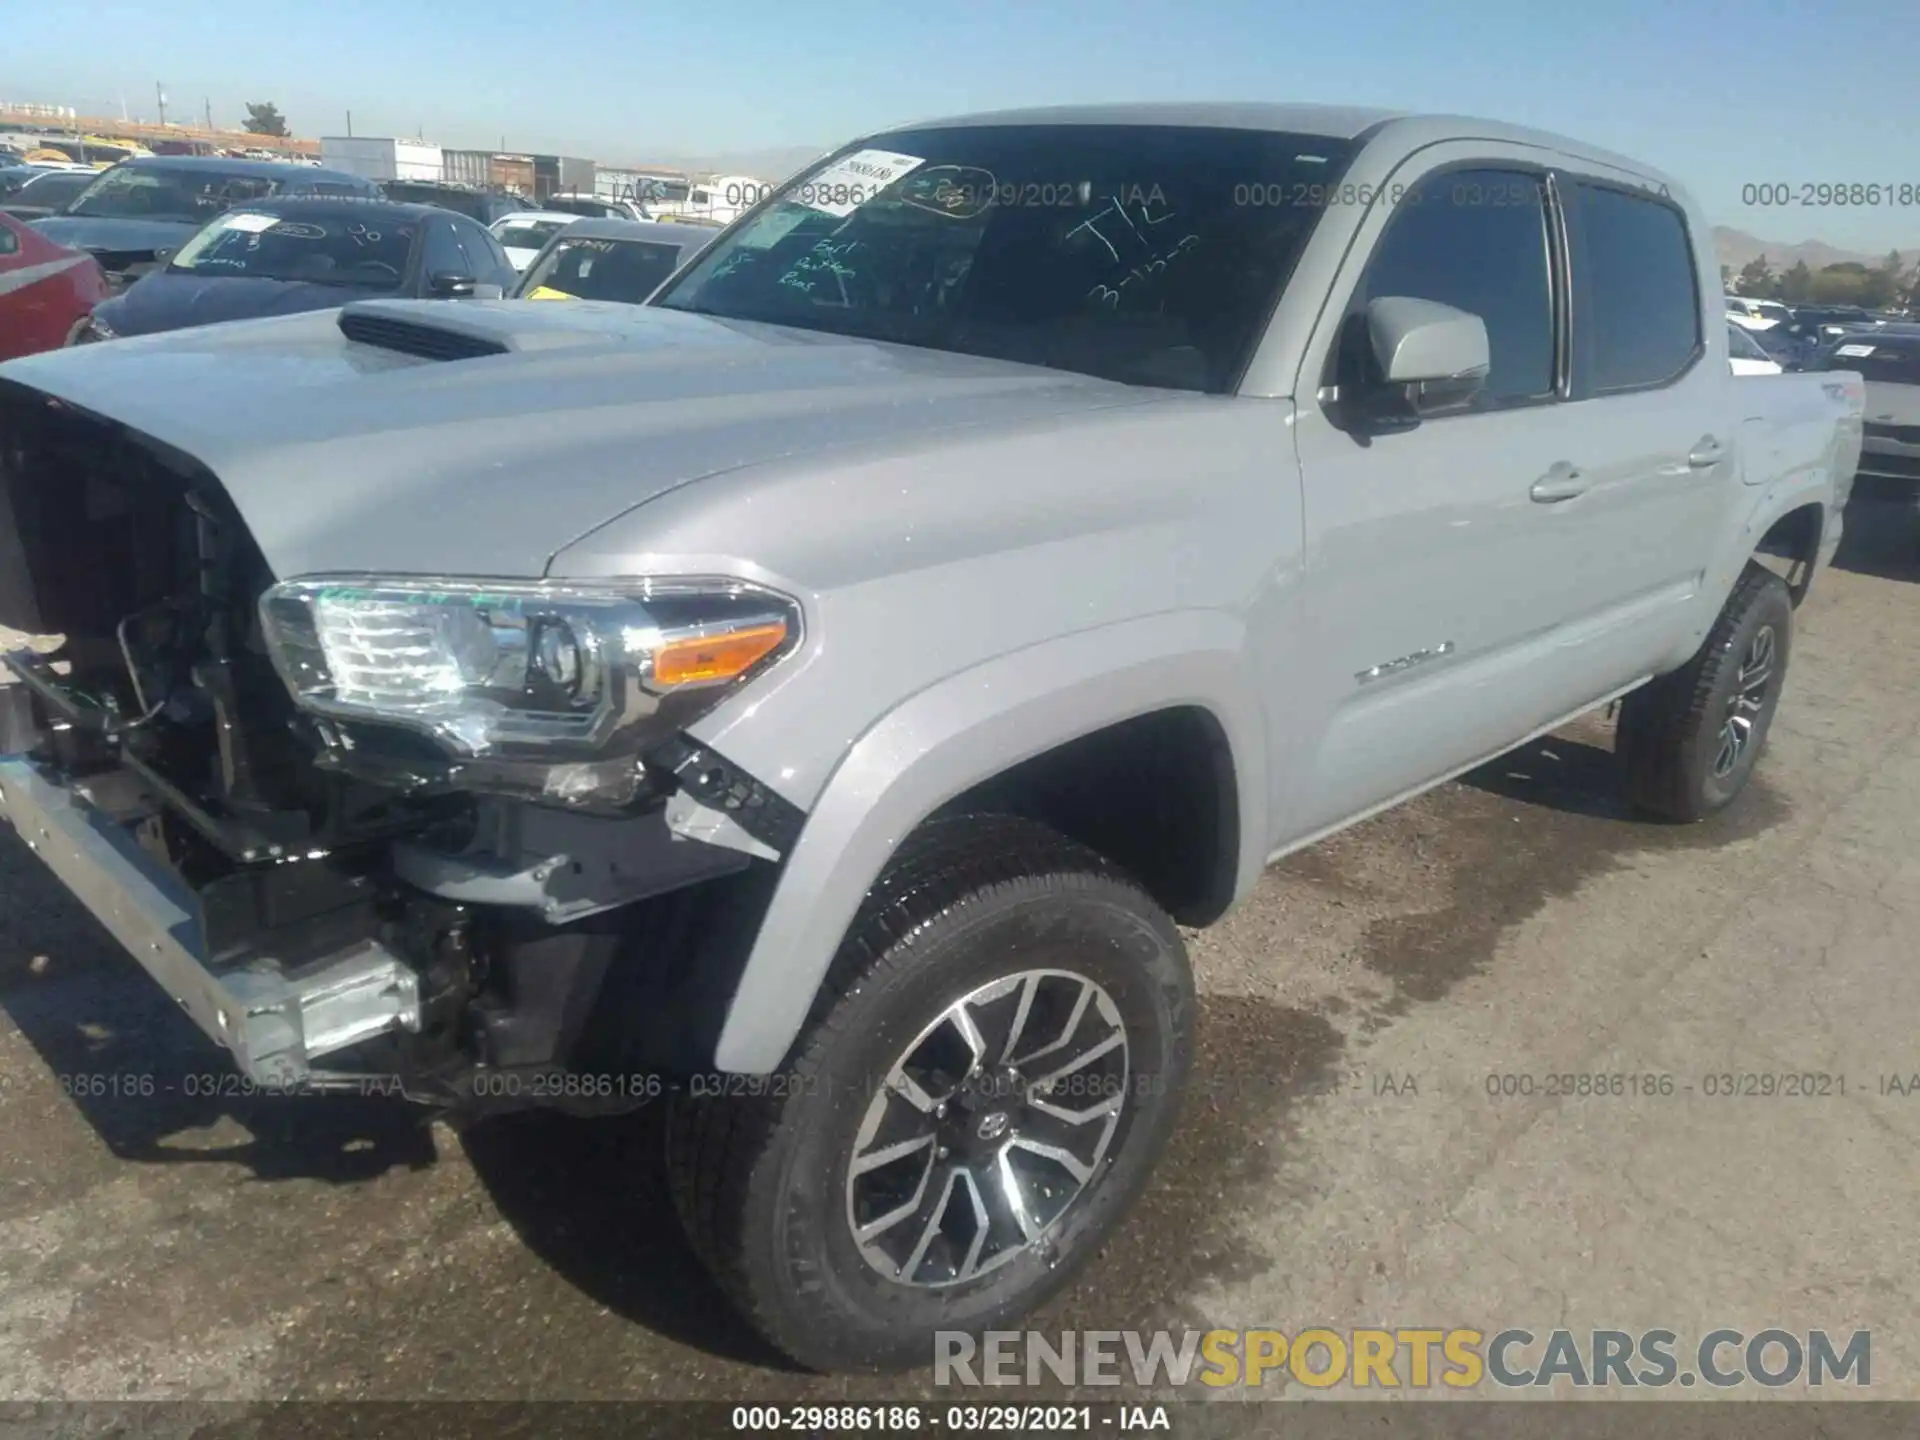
988,1127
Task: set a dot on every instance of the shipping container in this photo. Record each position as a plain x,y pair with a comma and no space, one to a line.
376,158
467,167
561,175
512,172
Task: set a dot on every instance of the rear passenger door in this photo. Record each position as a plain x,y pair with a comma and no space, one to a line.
1652,409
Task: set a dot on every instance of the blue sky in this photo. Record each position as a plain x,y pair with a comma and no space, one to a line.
1723,94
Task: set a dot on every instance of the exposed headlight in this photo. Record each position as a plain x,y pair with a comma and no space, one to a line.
523,670
94,329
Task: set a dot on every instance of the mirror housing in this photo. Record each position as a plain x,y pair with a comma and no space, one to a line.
1422,342
450,284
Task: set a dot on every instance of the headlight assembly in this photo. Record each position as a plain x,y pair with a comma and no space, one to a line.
524,671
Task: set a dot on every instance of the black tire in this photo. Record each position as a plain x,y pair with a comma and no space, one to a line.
763,1182
1673,738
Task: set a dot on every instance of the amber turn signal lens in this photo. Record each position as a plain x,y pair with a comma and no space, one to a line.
715,657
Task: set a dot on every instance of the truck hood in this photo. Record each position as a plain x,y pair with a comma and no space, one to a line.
343,455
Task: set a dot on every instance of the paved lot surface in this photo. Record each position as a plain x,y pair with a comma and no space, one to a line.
1517,924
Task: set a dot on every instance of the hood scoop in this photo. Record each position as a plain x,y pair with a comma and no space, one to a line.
461,329
413,337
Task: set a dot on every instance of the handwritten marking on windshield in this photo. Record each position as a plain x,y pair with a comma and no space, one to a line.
826,260
1135,197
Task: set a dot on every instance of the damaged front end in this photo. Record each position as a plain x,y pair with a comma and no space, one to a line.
369,826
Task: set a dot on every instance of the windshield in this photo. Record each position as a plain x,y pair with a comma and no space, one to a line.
1150,254
131,192
529,234
354,248
53,187
580,269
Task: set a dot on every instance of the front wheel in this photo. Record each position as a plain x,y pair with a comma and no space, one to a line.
993,1067
1690,740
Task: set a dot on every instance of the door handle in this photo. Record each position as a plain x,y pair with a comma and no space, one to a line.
1562,482
1709,452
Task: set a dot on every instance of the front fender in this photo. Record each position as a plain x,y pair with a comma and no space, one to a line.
955,734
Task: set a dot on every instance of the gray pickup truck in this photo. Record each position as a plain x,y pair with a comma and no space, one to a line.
817,697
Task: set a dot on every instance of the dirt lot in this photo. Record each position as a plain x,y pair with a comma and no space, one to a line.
1515,924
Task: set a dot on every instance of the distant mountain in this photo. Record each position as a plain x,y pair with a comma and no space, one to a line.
1735,248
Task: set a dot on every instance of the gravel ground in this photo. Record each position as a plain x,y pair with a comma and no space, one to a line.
207,1248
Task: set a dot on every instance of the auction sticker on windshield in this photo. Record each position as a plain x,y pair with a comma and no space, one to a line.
250,223
852,180
1855,350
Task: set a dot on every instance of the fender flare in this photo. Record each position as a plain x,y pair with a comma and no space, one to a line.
949,737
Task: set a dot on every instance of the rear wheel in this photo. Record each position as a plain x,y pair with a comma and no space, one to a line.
991,1071
1690,740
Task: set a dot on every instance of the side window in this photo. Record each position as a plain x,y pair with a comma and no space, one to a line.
443,250
1476,240
1636,310
484,257
9,242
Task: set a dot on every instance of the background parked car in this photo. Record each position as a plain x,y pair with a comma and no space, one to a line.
47,192
282,256
45,290
1782,344
595,207
486,206
623,260
525,232
1756,314
1889,359
1745,354
141,210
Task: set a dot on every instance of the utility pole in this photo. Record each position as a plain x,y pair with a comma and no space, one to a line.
208,102
349,124
160,93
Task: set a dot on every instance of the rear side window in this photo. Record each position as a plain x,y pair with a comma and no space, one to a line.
1475,240
1636,316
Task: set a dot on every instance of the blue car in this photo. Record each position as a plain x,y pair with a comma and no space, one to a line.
144,207
279,257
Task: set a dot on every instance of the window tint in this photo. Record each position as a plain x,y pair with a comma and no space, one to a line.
1476,240
485,256
443,251
1636,311
9,242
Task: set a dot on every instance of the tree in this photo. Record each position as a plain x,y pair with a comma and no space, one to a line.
1796,286
265,119
1884,283
1756,277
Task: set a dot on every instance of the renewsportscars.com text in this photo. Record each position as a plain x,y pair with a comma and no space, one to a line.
1416,1359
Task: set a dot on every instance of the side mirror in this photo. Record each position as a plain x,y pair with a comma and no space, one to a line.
1422,342
450,285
